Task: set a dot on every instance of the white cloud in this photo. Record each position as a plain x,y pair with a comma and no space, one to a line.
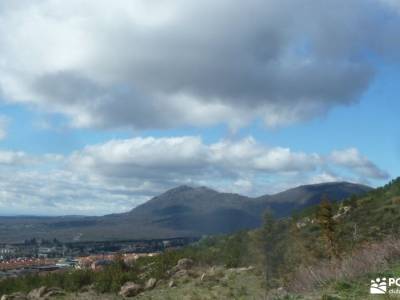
12,158
188,156
248,154
56,192
158,64
352,159
117,175
325,177
145,152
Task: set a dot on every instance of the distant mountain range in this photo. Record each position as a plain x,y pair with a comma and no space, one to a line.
182,211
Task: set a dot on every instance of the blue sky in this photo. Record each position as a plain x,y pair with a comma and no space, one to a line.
97,121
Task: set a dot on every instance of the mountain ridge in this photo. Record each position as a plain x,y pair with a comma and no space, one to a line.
180,211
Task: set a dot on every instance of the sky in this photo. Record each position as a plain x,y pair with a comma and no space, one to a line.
106,104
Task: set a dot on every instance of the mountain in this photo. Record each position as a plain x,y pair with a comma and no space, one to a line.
182,211
198,210
205,211
295,199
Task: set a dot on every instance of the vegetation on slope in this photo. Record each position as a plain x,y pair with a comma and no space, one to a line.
315,249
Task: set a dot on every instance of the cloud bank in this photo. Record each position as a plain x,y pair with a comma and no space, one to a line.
117,175
162,64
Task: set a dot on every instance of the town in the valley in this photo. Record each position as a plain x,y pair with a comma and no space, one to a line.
41,256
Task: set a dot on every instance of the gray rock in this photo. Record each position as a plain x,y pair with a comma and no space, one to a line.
184,264
52,292
150,284
130,289
37,293
210,277
171,284
213,274
181,273
239,270
14,296
161,282
44,293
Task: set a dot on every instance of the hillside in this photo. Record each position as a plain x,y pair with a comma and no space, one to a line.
285,203
182,211
285,258
363,235
198,211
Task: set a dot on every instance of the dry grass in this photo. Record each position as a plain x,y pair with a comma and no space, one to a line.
372,257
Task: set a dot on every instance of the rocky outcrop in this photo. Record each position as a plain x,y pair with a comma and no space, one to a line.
14,296
239,270
44,293
213,274
171,284
41,293
181,268
130,289
184,264
181,273
150,284
37,293
53,292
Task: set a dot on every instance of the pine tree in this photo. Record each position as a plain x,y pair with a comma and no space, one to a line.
327,223
269,237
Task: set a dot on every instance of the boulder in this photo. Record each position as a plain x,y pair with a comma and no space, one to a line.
130,289
161,282
45,293
37,293
209,277
181,273
52,292
150,284
184,264
171,284
213,274
239,270
14,296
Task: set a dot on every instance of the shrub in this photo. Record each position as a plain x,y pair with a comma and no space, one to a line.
369,258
